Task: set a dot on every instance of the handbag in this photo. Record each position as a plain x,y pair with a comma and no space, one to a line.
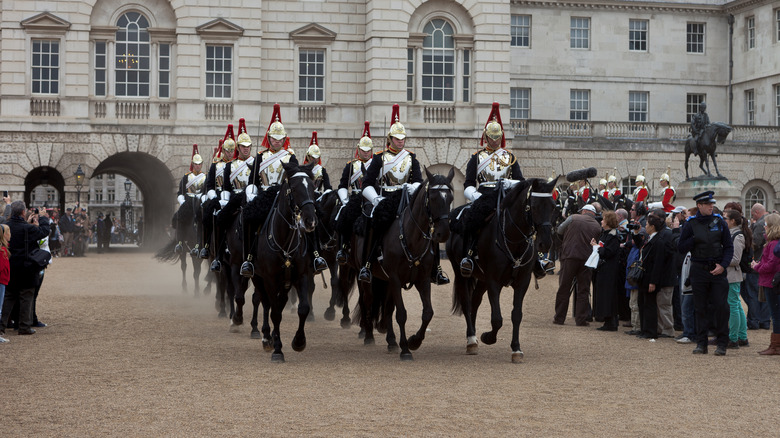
593,260
635,272
776,282
37,257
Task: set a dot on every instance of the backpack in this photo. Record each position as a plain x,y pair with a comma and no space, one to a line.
747,256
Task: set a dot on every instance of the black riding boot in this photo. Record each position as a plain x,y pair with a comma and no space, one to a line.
368,250
539,271
341,256
247,268
204,253
467,263
319,262
438,277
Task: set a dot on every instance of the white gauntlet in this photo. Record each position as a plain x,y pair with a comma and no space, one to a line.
343,195
211,194
370,194
471,193
180,198
251,192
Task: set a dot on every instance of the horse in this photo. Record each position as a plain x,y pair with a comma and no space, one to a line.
327,208
712,134
407,260
506,245
186,221
282,257
222,302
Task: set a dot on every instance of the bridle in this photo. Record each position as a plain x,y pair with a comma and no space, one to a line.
528,232
294,212
432,222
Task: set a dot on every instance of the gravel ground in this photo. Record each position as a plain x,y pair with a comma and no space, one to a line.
128,353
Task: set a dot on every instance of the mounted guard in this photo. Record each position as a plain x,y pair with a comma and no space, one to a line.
640,192
314,155
215,184
668,191
190,188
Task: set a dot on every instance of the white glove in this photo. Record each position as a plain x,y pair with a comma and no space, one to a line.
411,188
471,193
251,192
203,198
211,194
370,194
343,195
509,183
225,195
180,198
223,203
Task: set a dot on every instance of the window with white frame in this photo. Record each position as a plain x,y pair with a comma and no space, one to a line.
466,75
133,48
438,64
637,106
410,74
311,75
637,35
521,31
219,71
111,194
777,25
750,29
580,33
164,70
579,104
520,103
101,67
45,66
693,100
750,107
754,195
777,105
627,185
695,38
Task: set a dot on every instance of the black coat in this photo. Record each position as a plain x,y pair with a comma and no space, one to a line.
24,238
658,261
608,287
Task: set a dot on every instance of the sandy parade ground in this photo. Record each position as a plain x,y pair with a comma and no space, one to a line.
128,353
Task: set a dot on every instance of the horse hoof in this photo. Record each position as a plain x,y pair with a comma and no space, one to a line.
405,357
277,358
298,344
517,356
488,338
222,315
392,348
267,347
346,323
472,348
369,341
255,335
310,317
361,334
234,328
330,314
414,342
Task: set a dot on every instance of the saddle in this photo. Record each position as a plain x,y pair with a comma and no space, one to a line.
475,215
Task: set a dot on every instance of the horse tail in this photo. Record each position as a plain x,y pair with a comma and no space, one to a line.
460,294
167,253
357,314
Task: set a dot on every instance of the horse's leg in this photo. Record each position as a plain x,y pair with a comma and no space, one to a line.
221,295
366,298
463,289
703,159
238,296
266,301
256,299
310,317
520,290
715,163
196,272
305,282
394,288
345,281
276,318
496,321
687,156
183,265
209,280
424,288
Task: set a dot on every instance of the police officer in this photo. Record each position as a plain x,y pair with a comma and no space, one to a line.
706,236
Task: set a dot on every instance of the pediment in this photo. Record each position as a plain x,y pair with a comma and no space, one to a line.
219,28
45,22
312,33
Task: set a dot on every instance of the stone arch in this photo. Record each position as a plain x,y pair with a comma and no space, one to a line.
155,182
45,175
159,13
766,187
450,11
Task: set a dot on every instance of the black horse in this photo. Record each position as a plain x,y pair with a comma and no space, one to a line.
327,208
407,260
506,245
712,134
187,223
283,258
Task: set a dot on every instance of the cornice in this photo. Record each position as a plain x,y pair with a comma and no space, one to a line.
741,5
45,22
627,6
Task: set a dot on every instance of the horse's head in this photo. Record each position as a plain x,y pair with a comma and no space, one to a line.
300,194
722,131
542,206
438,194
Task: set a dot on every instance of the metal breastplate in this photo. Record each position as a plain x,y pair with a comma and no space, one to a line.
196,188
358,184
219,175
398,174
499,167
273,173
241,180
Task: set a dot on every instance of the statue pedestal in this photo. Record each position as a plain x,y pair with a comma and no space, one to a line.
725,191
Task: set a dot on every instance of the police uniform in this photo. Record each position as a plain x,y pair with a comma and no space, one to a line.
708,240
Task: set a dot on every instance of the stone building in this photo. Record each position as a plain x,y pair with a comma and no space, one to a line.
127,88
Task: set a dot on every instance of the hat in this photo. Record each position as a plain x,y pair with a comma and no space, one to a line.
365,143
494,129
705,197
243,136
68,209
678,209
314,150
396,128
276,129
589,208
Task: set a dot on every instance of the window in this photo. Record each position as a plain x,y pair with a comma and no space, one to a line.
777,105
164,71
410,74
692,105
754,195
750,107
520,103
111,176
637,35
98,196
777,25
311,75
695,38
219,71
750,28
580,33
579,106
132,56
521,31
466,74
637,106
100,68
111,195
45,66
438,75
627,185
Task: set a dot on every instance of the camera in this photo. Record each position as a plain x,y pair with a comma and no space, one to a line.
36,211
633,226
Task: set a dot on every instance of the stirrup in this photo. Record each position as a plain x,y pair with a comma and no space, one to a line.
441,278
178,248
364,275
247,269
204,253
466,267
341,257
194,251
539,271
319,265
216,266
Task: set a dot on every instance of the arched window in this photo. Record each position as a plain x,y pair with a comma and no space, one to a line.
438,72
754,195
132,66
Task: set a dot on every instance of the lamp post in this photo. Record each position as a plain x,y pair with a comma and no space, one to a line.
127,209
79,184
